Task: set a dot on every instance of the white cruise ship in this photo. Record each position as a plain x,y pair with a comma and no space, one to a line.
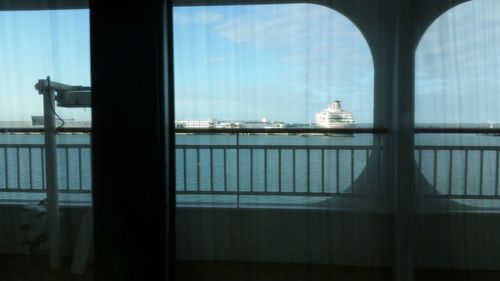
335,117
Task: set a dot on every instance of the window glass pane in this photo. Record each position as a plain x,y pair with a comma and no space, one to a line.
457,65
282,63
33,237
457,69
271,196
457,86
269,66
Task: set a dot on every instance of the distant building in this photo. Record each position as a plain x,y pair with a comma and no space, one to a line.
212,123
195,124
264,124
232,125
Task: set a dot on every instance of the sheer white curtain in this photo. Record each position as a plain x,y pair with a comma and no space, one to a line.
236,64
37,43
288,197
456,86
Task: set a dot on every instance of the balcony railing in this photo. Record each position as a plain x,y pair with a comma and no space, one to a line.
465,172
443,171
22,168
253,174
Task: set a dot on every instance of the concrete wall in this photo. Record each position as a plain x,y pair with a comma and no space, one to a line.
468,240
332,237
283,235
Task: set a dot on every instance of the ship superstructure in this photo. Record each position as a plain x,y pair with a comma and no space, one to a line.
335,117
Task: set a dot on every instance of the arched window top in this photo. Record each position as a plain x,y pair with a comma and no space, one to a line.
272,66
458,65
456,84
285,62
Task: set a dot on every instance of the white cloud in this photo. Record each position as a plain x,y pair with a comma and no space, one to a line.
301,34
281,25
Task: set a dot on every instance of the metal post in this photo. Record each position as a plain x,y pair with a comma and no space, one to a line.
51,175
237,170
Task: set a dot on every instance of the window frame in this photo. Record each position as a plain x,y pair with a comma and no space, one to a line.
116,37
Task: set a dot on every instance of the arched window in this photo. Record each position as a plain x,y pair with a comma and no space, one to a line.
271,66
457,86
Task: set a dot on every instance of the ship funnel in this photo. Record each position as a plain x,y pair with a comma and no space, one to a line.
336,105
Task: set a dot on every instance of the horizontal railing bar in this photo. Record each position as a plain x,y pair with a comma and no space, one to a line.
457,131
277,193
40,130
42,146
456,147
281,130
319,147
418,130
276,147
39,190
457,196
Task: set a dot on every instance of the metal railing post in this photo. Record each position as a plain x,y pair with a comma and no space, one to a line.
51,175
237,170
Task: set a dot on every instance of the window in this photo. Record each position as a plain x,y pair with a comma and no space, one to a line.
274,67
456,87
273,198
41,48
456,146
274,141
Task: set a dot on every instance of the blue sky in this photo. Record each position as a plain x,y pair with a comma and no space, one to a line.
35,44
281,62
287,62
458,66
